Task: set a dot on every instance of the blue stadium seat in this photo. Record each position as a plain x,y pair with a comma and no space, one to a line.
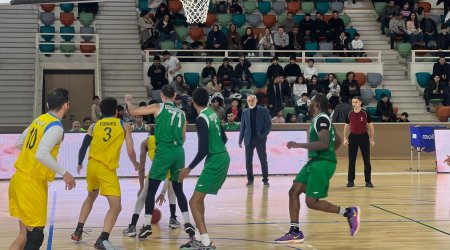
423,78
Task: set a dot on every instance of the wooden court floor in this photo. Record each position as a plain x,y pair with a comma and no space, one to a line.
405,210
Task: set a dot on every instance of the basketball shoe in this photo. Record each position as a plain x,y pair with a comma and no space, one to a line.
130,231
104,245
291,238
209,247
173,223
145,232
192,244
189,229
353,214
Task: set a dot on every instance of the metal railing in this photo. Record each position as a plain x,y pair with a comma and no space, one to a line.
428,55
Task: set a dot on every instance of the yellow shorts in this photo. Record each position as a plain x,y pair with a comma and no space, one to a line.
28,199
99,177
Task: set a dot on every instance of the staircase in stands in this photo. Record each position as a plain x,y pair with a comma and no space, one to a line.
405,96
120,53
18,27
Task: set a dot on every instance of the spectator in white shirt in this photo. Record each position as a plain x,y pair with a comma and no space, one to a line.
310,70
172,65
357,44
335,88
266,42
298,88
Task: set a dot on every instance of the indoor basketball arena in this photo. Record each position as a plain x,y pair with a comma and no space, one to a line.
224,124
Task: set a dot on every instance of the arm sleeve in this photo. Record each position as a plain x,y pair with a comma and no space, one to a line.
322,123
51,137
83,149
20,141
202,131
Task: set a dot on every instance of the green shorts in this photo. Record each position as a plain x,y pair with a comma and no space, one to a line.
316,175
167,158
214,173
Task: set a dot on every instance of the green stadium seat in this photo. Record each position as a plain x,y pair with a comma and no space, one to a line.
223,19
288,110
348,60
307,7
404,49
250,6
66,7
241,31
345,18
239,19
340,76
192,79
86,19
47,29
281,18
264,7
379,92
379,6
67,47
67,30
167,45
322,7
182,32
423,78
260,79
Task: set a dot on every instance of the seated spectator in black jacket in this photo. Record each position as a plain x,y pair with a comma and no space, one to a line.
403,117
320,27
274,69
350,87
216,40
292,70
208,71
387,13
306,26
248,40
443,39
243,74
296,39
275,94
161,12
314,87
301,108
385,109
234,39
166,30
342,110
335,26
442,69
428,27
187,51
341,43
436,89
226,73
157,74
235,109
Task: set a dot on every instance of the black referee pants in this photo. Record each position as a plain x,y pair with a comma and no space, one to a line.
361,141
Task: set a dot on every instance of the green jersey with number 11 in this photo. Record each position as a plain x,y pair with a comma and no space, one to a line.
169,125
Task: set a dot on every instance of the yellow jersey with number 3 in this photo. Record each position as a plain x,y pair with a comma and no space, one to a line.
108,135
27,162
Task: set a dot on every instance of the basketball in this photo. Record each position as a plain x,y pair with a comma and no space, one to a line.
156,217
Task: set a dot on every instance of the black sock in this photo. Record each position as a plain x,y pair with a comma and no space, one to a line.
173,210
294,227
104,236
80,226
134,219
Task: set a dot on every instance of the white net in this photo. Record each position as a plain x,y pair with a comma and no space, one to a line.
196,11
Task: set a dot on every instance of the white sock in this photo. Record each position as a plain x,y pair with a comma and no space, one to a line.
186,217
148,219
341,210
197,235
205,239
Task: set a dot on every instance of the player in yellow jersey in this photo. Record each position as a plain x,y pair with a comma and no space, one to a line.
105,138
36,166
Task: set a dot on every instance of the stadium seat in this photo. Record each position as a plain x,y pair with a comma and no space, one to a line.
258,31
86,30
264,7
293,6
47,29
326,46
366,96
423,78
351,32
269,20
404,49
279,7
364,60
260,79
372,112
298,19
337,6
175,6
346,19
340,76
326,18
49,47
254,20
67,30
288,110
223,19
239,19
280,19
435,104
47,18
86,19
241,31
425,5
66,7
192,79
348,60
67,19
311,46
196,33
360,78
167,45
143,5
374,79
48,7
307,7
182,32
261,94
379,92
250,6
332,60
225,30
322,7
443,113
322,76
210,20
379,6
87,47
67,47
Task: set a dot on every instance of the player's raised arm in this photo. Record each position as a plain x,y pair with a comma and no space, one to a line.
134,110
21,140
130,146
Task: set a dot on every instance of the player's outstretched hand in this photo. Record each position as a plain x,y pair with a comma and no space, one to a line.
345,142
129,98
447,160
160,200
291,144
69,180
79,167
183,174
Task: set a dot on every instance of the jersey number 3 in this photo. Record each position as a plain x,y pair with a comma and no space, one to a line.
108,131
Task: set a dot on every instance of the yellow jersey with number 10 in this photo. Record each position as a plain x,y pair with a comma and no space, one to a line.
27,162
107,139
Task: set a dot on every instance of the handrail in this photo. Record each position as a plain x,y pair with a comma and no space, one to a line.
414,56
303,57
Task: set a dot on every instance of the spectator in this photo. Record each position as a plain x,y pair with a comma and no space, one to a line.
314,87
350,87
146,26
403,117
87,121
266,42
166,30
442,69
405,12
172,65
341,43
326,83
397,28
214,86
443,39
278,118
121,112
191,113
234,39
178,102
413,30
146,118
186,52
95,109
334,89
292,70
342,110
226,73
335,26
296,39
274,69
302,108
388,12
310,70
275,94
281,39
307,26
157,74
288,23
151,118
201,54
357,44
216,105
139,125
243,74
320,27
181,88
88,8
235,109
76,126
428,27
385,109
231,124
235,6
299,88
435,90
291,118
216,40
208,71
255,127
161,12
249,41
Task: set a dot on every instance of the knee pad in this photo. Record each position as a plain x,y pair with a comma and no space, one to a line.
35,239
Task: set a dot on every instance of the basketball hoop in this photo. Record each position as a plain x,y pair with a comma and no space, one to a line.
196,11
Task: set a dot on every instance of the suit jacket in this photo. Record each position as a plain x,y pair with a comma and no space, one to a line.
263,125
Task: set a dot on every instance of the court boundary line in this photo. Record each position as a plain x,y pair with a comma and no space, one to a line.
52,223
413,220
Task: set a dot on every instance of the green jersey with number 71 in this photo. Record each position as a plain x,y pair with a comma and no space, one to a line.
169,125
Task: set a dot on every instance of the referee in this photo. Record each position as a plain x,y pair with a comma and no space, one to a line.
361,136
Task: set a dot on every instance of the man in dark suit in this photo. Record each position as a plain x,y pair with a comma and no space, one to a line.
275,92
255,126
